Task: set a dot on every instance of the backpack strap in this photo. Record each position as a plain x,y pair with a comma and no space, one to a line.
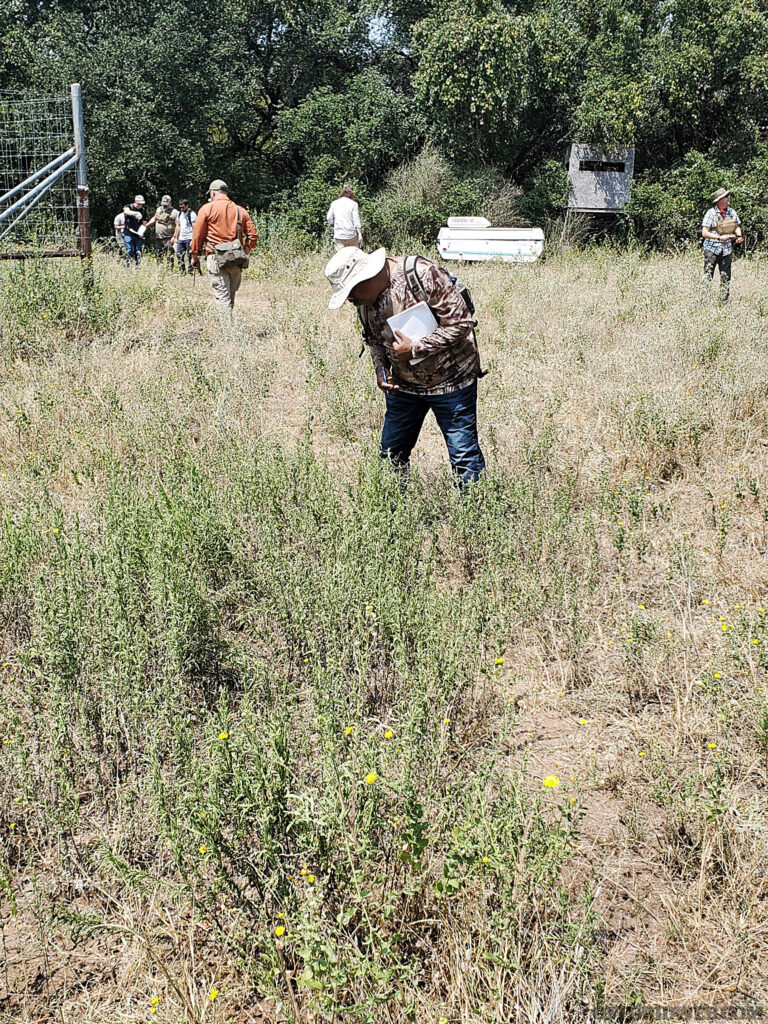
416,286
238,236
413,280
363,318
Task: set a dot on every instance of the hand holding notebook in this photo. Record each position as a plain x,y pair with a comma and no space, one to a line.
415,323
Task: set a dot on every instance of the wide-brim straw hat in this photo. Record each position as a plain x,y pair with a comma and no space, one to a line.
719,194
348,267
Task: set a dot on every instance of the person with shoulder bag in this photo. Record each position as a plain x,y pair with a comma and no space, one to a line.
437,372
226,234
720,229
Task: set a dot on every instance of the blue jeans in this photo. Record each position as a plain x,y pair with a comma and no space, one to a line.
456,415
133,247
182,255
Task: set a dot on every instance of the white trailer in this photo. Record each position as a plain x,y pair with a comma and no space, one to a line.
473,238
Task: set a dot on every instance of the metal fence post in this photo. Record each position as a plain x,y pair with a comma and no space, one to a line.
83,205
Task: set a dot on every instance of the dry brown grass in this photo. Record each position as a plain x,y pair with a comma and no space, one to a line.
609,381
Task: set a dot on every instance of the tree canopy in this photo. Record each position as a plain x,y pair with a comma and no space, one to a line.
288,98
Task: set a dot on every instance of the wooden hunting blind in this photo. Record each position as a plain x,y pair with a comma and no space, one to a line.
600,179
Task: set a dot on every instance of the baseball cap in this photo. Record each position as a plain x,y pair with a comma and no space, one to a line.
165,201
348,267
217,185
138,200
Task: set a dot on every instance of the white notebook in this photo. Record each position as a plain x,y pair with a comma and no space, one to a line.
415,323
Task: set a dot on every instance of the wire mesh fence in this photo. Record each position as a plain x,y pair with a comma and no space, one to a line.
35,130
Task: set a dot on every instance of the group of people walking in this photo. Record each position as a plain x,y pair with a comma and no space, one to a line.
222,232
187,235
172,236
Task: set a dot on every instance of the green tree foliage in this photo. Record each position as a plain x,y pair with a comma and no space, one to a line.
497,82
286,98
366,128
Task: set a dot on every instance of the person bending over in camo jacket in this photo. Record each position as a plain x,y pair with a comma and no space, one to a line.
439,372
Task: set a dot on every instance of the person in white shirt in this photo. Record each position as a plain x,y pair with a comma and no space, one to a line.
182,236
344,217
119,226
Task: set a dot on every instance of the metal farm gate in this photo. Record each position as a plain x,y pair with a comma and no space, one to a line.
44,209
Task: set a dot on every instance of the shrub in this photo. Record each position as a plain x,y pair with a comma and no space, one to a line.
421,194
546,192
668,207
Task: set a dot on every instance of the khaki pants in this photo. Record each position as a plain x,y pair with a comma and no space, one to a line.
224,284
342,243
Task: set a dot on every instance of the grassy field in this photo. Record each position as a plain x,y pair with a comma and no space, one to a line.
281,743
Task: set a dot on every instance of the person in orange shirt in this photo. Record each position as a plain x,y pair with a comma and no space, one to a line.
222,221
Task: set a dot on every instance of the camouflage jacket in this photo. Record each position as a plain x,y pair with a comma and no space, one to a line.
452,362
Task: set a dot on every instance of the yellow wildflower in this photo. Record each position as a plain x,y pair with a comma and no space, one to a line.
203,848
551,782
213,994
348,730
370,778
223,735
279,931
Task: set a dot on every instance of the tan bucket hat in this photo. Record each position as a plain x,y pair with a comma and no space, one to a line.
348,267
719,194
